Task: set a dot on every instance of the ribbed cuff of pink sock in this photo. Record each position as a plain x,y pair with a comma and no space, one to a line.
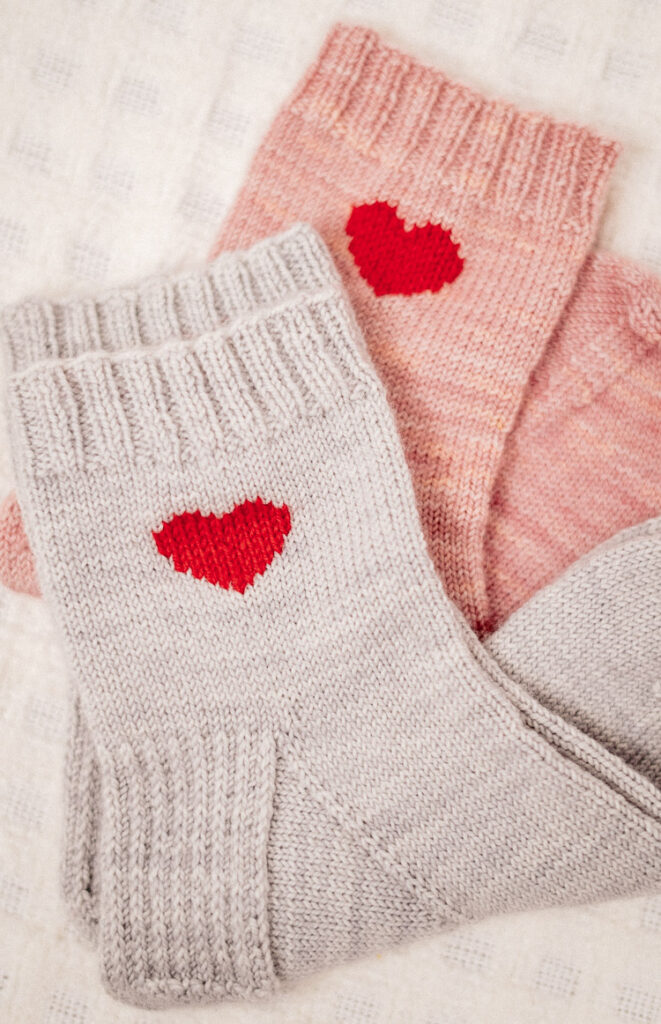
405,114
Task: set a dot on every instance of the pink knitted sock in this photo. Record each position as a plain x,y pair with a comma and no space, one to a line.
336,124
459,225
583,460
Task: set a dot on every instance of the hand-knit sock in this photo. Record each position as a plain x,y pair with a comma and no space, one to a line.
582,461
459,225
588,646
303,751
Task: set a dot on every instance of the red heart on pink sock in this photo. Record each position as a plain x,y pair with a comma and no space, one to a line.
228,551
395,261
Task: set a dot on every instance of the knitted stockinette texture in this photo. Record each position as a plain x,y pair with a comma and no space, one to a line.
580,462
326,761
459,225
588,646
584,458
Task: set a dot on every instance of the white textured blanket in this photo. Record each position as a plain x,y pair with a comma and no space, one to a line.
125,129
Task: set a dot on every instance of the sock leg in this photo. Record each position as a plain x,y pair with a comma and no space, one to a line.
270,671
459,226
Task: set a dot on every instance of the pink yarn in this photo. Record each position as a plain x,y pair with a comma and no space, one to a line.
584,458
17,568
518,193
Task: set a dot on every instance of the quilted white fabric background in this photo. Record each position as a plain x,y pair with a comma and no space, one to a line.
125,129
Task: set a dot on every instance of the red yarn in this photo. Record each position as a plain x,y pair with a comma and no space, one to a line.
229,551
395,261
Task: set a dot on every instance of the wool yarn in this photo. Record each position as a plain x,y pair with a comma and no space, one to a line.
522,494
583,459
326,760
459,225
588,646
17,569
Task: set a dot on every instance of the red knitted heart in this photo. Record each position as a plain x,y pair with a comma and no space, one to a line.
395,261
229,551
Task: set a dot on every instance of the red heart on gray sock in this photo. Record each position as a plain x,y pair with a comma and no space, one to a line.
228,551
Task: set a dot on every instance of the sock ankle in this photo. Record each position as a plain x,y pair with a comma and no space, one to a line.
585,647
327,755
582,461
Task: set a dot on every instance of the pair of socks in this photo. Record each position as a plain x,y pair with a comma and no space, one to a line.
302,753
525,377
507,498
516,442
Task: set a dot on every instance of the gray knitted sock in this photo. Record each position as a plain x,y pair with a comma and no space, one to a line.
303,752
587,646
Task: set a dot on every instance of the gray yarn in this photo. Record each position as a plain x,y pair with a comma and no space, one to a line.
589,646
325,764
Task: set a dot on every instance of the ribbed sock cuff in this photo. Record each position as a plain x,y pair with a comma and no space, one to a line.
184,900
80,883
410,116
177,307
181,368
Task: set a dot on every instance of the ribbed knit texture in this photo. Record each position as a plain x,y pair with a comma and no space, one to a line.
518,193
324,763
82,795
584,458
581,461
